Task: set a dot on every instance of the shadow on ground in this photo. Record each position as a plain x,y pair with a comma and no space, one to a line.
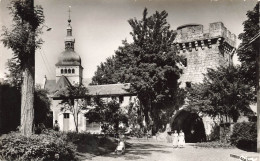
135,151
89,148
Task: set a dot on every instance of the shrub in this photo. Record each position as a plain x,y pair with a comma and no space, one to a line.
82,138
15,146
137,132
92,144
244,135
214,144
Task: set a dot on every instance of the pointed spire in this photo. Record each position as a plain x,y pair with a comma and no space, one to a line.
69,20
69,40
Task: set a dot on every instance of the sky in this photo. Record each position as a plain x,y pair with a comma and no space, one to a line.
99,26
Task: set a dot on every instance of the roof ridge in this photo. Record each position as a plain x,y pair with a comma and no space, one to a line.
66,82
109,84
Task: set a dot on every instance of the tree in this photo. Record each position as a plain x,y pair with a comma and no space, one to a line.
15,75
42,104
222,93
74,100
22,39
247,52
107,113
10,106
150,64
10,101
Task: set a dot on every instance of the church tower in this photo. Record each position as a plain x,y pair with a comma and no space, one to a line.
69,62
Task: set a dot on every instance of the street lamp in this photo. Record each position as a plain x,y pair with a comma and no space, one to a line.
48,28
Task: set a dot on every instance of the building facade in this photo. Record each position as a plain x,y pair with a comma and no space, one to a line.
201,48
69,72
204,49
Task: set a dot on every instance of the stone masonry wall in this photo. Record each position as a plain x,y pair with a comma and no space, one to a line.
204,49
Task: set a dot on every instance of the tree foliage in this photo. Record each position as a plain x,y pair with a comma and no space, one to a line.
107,113
23,39
222,93
246,52
14,76
42,110
74,101
149,63
10,107
20,38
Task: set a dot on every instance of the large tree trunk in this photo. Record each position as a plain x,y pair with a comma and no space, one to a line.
258,87
27,101
258,99
27,110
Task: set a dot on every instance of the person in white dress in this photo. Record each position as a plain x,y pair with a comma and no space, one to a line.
181,139
120,149
175,139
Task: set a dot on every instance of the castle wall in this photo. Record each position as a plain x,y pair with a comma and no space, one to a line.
204,49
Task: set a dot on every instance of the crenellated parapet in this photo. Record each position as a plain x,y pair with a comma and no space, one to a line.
192,37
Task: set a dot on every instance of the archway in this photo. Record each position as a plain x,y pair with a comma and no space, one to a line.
191,124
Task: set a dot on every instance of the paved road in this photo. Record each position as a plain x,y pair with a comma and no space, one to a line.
160,151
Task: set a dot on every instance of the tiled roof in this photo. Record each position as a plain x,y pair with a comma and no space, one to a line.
109,90
62,82
50,85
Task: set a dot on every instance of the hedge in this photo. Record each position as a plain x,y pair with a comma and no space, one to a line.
244,135
51,146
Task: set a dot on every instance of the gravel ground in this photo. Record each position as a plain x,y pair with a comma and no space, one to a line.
160,151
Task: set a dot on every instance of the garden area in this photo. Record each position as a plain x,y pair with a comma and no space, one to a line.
53,145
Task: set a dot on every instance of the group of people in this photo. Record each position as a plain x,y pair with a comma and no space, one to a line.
178,140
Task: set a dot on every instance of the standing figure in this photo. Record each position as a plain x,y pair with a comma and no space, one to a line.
56,126
175,139
181,139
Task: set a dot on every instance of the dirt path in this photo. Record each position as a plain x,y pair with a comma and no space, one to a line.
159,151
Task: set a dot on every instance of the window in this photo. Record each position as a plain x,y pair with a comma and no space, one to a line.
69,32
188,84
65,71
66,115
69,71
61,71
73,70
